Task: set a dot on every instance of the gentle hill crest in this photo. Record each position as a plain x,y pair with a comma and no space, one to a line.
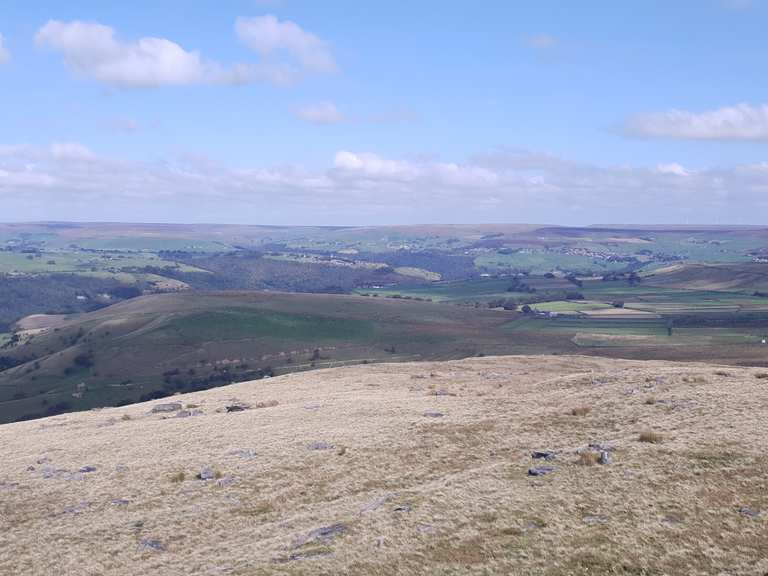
384,469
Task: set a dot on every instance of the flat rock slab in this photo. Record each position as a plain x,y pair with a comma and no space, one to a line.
169,407
151,545
540,471
324,534
543,455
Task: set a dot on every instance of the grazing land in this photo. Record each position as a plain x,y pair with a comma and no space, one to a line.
142,311
404,469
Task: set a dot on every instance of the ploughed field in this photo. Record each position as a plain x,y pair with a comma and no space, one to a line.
404,468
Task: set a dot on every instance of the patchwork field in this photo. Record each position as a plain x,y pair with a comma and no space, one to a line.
415,468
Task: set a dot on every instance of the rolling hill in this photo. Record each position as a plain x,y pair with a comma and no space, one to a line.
740,277
483,466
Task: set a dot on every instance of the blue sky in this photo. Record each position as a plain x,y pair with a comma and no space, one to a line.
394,112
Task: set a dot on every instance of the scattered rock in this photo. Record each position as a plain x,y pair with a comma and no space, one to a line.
602,447
242,453
151,545
188,413
540,470
226,481
671,520
442,392
169,407
324,534
206,473
543,455
594,519
77,508
237,407
426,528
403,508
751,513
59,473
87,469
433,414
120,502
376,503
605,457
320,446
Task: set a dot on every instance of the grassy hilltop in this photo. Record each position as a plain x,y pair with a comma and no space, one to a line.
412,468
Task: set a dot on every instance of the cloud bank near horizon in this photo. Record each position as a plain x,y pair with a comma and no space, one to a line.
67,180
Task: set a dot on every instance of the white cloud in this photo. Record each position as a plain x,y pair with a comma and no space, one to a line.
321,113
272,38
71,151
672,168
740,122
541,41
70,181
5,55
92,49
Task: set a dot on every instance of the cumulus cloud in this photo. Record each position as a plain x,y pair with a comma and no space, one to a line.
740,122
5,55
321,113
273,39
93,50
69,181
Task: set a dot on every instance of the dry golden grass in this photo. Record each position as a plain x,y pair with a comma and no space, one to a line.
588,458
651,437
405,482
582,410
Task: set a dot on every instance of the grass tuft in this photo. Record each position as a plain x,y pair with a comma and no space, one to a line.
581,410
588,458
178,477
651,437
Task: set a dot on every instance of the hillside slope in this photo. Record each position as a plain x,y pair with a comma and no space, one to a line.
741,277
417,468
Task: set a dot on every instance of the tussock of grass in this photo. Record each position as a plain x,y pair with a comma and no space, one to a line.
651,437
178,477
582,410
125,417
651,400
762,375
588,458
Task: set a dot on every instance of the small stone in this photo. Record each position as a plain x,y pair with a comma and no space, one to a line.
432,414
323,534
543,455
207,473
169,407
376,503
540,471
602,447
151,545
226,481
751,513
594,519
403,508
247,454
605,458
120,502
426,528
87,469
77,508
320,446
238,407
